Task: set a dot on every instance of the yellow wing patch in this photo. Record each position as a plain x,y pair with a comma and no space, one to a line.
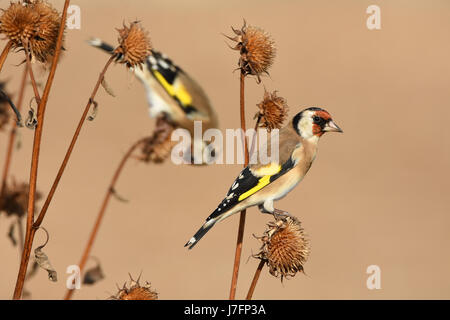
269,171
183,95
178,91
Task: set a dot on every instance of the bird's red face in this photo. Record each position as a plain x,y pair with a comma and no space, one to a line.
313,123
322,123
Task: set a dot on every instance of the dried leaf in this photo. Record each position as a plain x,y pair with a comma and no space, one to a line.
43,261
5,97
18,140
107,88
94,112
11,234
31,122
118,196
15,198
94,274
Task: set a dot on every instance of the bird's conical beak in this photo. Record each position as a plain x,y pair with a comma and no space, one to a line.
332,127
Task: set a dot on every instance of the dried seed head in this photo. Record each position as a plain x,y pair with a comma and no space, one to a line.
158,153
285,248
272,111
257,50
15,199
19,22
134,45
33,25
50,21
135,292
158,147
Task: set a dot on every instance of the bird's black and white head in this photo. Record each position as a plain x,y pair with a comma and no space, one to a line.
313,122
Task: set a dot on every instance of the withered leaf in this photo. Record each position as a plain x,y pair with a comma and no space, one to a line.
118,196
44,263
18,140
31,120
93,275
43,260
107,88
94,112
11,234
6,98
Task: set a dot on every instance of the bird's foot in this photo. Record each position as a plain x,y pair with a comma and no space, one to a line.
262,209
281,215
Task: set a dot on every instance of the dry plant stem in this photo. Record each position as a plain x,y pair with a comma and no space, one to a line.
21,235
255,280
253,145
30,231
237,255
243,126
71,146
5,53
102,211
12,134
240,237
33,80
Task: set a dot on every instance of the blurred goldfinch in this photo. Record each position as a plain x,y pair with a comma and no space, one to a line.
172,92
260,184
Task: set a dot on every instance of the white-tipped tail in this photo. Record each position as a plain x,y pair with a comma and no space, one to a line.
200,233
191,242
95,42
98,43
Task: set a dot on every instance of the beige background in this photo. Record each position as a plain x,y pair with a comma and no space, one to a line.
376,195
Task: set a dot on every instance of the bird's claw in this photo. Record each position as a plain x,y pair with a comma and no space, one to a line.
281,215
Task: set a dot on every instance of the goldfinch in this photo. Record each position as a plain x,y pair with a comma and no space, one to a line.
260,185
173,93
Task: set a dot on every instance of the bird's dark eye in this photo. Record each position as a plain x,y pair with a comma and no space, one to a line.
316,119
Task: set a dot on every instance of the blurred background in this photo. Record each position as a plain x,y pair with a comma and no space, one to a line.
376,195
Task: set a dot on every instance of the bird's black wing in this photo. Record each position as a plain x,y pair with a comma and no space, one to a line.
249,182
167,74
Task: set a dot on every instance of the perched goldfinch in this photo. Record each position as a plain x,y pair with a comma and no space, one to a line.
261,184
172,92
